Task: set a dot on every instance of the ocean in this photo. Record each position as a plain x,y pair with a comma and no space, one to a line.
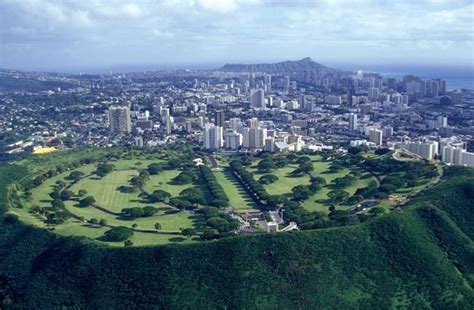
457,77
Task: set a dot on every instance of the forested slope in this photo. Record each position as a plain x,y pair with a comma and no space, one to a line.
419,258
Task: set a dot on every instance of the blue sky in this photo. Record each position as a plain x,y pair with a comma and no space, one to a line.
71,34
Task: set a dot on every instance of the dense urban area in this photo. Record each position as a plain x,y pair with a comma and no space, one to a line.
280,147
288,185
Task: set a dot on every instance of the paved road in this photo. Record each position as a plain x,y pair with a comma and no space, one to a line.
213,161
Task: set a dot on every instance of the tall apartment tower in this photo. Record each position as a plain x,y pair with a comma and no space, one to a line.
257,99
213,137
219,118
119,118
376,136
268,81
352,122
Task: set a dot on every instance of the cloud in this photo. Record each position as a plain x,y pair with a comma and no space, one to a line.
131,10
97,32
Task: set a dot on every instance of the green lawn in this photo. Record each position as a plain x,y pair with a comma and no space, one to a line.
162,181
285,181
105,191
169,222
239,199
40,194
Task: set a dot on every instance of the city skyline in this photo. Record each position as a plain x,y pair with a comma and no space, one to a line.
69,36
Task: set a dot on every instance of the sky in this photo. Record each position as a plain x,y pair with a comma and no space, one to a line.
72,35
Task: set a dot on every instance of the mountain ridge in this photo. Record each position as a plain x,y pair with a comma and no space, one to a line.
304,64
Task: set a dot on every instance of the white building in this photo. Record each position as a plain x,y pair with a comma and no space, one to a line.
257,99
232,140
426,150
213,137
376,136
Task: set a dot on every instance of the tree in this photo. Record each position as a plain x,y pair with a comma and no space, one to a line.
387,188
276,201
303,160
149,211
117,234
86,202
103,169
57,204
154,168
377,211
159,196
280,161
301,192
76,176
144,174
185,177
133,213
137,181
81,193
335,168
304,168
103,222
338,195
382,151
66,194
157,226
268,179
134,225
128,243
193,195
265,165
188,232
354,150
208,234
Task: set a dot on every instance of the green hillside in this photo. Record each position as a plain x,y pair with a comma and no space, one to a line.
419,258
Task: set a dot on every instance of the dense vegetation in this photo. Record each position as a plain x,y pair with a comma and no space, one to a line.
419,258
30,85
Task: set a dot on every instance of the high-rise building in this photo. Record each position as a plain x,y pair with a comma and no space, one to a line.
257,99
426,150
236,124
232,140
352,122
219,118
268,81
286,83
376,136
373,93
169,124
213,137
254,136
120,122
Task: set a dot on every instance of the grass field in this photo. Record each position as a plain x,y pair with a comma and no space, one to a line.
162,181
169,222
286,182
40,194
105,191
239,199
138,163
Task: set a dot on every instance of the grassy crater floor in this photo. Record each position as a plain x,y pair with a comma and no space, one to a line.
110,200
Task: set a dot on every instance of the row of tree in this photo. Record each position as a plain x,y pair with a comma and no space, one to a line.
245,178
219,196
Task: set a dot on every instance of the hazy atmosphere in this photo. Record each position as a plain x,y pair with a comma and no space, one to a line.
87,35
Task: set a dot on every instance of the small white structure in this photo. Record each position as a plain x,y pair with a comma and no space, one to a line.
272,227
